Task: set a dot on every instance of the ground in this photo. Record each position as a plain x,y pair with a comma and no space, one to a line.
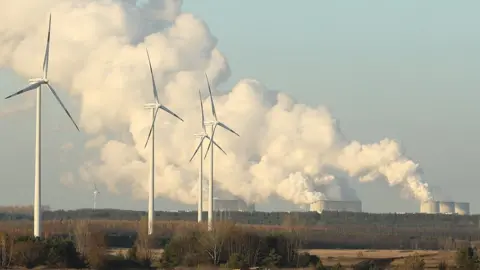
347,258
432,258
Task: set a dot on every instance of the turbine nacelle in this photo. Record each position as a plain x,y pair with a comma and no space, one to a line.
200,135
210,123
150,106
38,80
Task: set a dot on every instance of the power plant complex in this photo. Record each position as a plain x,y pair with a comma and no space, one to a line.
445,207
340,206
229,205
426,207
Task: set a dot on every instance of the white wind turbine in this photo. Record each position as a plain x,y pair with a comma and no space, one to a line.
95,194
213,125
202,137
154,107
37,83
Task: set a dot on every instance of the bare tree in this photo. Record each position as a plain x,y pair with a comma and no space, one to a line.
81,233
213,241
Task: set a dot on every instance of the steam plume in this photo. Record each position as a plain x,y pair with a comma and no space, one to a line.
98,54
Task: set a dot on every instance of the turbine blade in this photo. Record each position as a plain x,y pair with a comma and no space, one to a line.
170,112
201,107
63,106
26,89
227,128
196,150
211,98
47,49
155,93
151,128
218,146
210,143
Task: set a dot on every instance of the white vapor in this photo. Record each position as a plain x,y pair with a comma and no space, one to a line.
286,149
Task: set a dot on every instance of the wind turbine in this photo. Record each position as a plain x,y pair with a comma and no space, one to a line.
37,83
202,137
154,107
95,193
213,125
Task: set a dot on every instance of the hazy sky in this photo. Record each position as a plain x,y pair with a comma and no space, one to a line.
406,70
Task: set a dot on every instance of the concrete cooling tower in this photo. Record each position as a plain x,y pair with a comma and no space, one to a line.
462,208
441,207
340,206
447,207
430,207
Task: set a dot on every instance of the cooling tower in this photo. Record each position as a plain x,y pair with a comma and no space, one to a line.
341,206
462,208
446,207
430,207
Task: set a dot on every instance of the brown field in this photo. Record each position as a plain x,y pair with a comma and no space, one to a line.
347,258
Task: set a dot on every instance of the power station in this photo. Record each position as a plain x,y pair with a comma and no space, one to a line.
229,205
445,207
340,206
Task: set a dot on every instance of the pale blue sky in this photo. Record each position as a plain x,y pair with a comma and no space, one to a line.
400,69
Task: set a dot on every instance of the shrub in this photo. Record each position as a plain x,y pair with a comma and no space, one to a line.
319,266
366,265
236,261
28,252
61,253
337,266
442,265
96,250
143,245
305,259
272,259
414,262
185,248
6,250
467,258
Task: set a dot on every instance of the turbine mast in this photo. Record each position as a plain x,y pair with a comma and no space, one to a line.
210,188
200,184
37,201
94,201
151,186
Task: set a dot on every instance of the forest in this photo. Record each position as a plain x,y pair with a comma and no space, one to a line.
346,230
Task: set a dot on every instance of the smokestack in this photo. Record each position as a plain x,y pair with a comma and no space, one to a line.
287,148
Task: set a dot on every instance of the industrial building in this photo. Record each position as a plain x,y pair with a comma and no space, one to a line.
340,206
445,207
229,205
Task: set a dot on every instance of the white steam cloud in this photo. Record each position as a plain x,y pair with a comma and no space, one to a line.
98,53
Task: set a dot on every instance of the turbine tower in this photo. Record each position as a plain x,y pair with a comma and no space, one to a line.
213,125
37,83
202,137
95,193
154,107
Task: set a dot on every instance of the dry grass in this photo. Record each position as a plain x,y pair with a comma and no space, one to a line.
348,258
432,258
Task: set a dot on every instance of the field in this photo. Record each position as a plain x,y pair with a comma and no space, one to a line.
347,258
345,238
331,257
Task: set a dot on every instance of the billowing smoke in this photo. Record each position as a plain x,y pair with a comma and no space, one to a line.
286,149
